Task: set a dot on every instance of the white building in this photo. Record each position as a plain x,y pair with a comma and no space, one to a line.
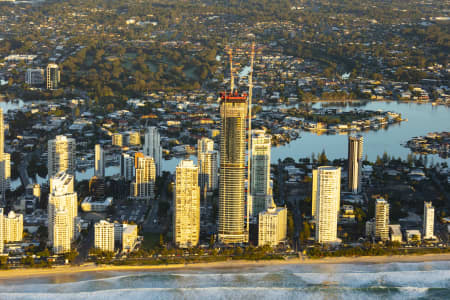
186,204
34,77
127,166
272,225
129,237
152,147
143,187
13,227
328,193
99,166
61,231
382,219
207,164
104,236
428,221
53,76
260,172
63,199
61,156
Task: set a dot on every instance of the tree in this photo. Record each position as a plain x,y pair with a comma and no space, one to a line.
70,256
305,233
161,240
322,159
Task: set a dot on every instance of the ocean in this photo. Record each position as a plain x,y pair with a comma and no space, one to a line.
426,280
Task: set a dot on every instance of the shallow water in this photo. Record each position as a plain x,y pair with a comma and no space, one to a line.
429,280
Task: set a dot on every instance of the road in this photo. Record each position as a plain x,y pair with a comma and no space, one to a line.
85,245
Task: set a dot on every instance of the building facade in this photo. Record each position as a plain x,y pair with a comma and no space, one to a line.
62,199
428,221
127,166
143,187
13,227
34,76
381,219
61,156
5,162
104,236
2,231
355,153
117,139
152,147
328,193
61,231
272,225
53,76
99,166
233,111
129,237
260,172
186,204
207,164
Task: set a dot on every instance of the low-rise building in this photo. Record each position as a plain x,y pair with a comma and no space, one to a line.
395,233
272,226
89,204
129,237
413,235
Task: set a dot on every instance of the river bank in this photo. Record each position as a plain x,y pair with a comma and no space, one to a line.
233,264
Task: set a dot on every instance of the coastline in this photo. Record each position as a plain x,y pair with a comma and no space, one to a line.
69,270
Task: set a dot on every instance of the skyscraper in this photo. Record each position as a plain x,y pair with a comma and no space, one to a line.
382,219
104,236
355,152
328,192
233,111
143,188
2,231
5,168
53,76
260,172
152,147
207,164
126,166
272,225
186,216
62,199
314,193
99,169
61,156
61,231
428,221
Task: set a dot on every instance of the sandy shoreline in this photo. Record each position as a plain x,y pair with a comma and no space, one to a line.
68,270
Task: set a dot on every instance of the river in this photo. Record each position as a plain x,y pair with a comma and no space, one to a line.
422,119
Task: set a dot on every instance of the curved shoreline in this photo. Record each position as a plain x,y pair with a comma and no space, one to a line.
68,270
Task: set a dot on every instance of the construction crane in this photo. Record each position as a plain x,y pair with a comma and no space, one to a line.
249,143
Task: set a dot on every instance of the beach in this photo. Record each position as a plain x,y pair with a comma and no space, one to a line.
233,264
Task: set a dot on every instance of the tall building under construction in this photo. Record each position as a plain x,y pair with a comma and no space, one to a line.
233,111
